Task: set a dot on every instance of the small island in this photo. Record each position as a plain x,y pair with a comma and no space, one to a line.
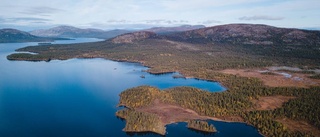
201,125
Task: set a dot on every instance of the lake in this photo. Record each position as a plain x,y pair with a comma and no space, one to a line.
78,97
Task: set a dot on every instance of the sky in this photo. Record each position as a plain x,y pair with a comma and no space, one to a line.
139,14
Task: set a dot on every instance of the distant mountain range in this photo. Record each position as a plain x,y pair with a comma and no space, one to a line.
13,35
73,32
249,34
63,32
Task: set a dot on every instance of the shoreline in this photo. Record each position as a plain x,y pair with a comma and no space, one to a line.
197,117
177,109
151,71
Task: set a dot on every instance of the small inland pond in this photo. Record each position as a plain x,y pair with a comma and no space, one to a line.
78,97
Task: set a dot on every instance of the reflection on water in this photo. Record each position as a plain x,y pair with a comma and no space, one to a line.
76,97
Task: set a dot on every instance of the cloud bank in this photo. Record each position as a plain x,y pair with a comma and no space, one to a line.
159,12
41,10
261,17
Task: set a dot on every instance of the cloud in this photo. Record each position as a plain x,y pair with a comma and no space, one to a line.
27,19
163,22
41,10
1,19
39,22
201,4
260,17
156,21
184,21
110,26
24,20
164,12
209,22
119,21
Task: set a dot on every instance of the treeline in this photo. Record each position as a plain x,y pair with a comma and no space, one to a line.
316,76
163,56
201,125
141,121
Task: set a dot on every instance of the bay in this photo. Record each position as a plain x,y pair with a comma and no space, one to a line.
78,97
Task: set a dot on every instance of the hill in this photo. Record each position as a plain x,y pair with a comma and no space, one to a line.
73,32
249,34
13,35
133,37
218,47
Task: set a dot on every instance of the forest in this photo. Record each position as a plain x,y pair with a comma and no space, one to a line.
168,56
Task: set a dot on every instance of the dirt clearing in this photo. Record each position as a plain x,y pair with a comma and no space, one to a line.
302,126
171,113
270,102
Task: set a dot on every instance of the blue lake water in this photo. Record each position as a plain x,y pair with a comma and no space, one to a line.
78,97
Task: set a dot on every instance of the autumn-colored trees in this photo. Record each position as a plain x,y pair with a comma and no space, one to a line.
138,97
141,121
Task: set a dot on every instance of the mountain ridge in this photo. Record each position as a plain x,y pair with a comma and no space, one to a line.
249,34
9,35
244,34
74,32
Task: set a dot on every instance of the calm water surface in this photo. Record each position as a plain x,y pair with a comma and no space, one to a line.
78,97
